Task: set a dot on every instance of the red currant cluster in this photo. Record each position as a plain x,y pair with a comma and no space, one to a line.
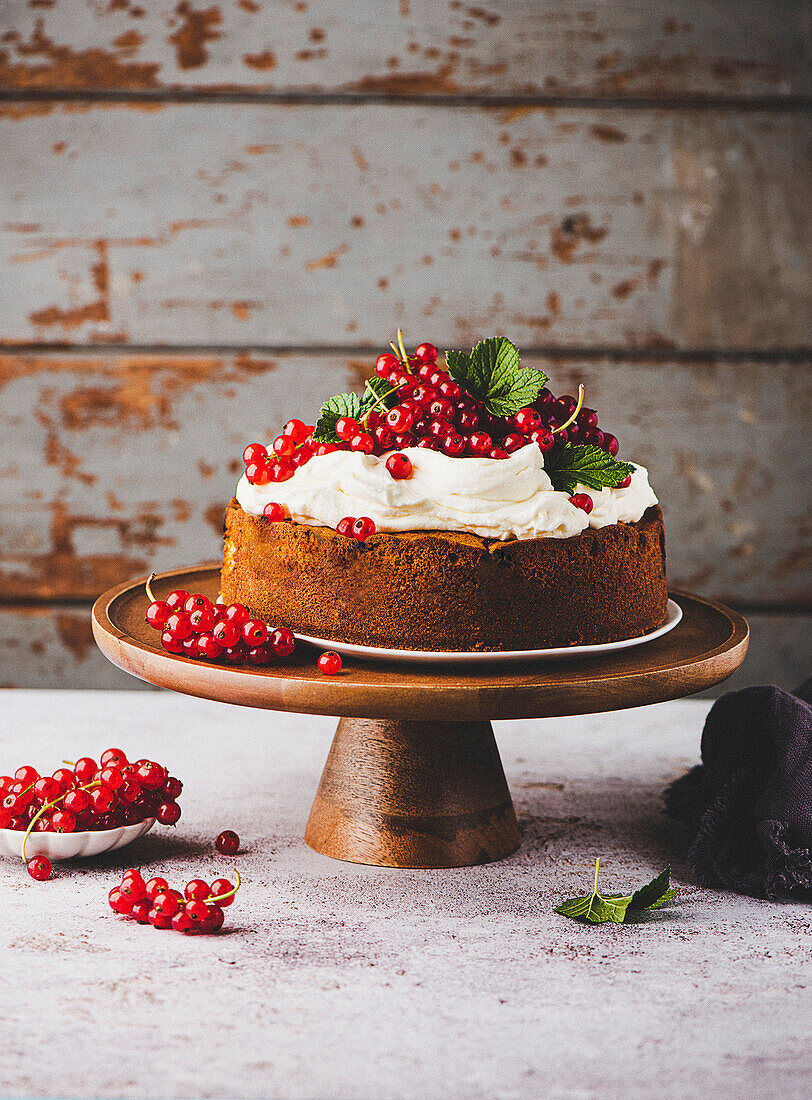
88,797
293,448
198,909
193,626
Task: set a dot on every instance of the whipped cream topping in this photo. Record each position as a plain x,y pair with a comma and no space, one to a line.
494,498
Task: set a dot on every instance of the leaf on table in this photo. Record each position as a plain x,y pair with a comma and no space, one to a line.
596,908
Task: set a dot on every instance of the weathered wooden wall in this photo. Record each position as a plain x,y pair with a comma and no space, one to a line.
210,213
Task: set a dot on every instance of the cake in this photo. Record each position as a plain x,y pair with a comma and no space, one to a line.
452,509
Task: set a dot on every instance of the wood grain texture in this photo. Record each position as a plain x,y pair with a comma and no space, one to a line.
325,225
704,648
412,47
413,794
112,464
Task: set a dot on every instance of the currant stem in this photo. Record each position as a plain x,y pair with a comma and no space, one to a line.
567,423
230,894
377,400
148,587
402,348
49,806
597,871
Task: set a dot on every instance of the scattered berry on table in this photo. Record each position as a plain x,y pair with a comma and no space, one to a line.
227,843
329,663
39,868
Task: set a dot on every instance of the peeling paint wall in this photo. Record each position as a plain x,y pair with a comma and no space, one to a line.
200,202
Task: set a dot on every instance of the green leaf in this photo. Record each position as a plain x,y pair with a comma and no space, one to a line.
654,893
343,404
492,374
579,464
598,908
381,389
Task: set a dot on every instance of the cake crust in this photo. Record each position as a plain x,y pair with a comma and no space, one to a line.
449,590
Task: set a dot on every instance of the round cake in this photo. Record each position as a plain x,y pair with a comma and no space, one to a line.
405,539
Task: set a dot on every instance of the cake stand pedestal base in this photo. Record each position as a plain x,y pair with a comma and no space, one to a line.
413,794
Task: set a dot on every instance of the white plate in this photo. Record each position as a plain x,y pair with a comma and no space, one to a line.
510,656
58,846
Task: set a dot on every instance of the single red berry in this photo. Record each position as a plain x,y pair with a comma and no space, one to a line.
610,444
113,758
120,903
219,887
84,769
346,428
182,922
134,889
364,442
527,420
282,641
5,818
172,644
190,647
26,775
214,921
172,788
158,920
39,868
258,473
63,821
227,843
399,466
101,799
429,443
157,613
178,626
254,452
198,602
400,419
513,442
583,501
296,429
625,483
112,777
363,528
234,655
329,663
226,633
177,599
384,364
467,421
154,887
254,632
543,439
260,655
197,912
497,452
168,813
165,903
454,445
325,449
208,647
426,353
284,445
151,775
237,613
46,789
76,801
202,620
197,890
133,873
141,910
479,444
274,512
344,526
593,436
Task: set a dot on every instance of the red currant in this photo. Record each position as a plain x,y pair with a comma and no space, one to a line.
453,445
400,419
197,890
84,769
402,441
426,353
112,778
157,613
26,775
497,452
282,641
429,443
113,758
132,888
172,787
513,442
329,663
527,420
182,922
234,655
65,778
165,903
39,868
284,445
625,483
101,799
296,429
399,466
202,620
140,911
214,921
151,775
46,789
543,439
260,655
158,920
190,647
76,801
236,613
254,452
583,501
346,428
63,821
208,647
610,444
344,526
479,444
219,887
254,632
227,843
325,449
274,512
363,528
384,364
383,438
154,887
120,903
178,626
168,813
363,441
226,633
175,600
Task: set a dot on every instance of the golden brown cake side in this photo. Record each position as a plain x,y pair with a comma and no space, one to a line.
438,590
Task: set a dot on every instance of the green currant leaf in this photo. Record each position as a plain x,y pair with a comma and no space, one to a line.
492,374
343,404
379,390
598,908
654,893
572,464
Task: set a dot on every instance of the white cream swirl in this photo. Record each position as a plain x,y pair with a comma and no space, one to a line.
494,498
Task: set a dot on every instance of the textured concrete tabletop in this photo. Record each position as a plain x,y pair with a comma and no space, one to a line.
334,980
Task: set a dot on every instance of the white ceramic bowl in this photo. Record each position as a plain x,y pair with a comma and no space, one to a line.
58,846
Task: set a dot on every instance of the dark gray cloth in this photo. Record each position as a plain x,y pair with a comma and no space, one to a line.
749,803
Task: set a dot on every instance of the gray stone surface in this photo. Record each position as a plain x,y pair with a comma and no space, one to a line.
333,980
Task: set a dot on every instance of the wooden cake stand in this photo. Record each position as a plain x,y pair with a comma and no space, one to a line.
413,777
